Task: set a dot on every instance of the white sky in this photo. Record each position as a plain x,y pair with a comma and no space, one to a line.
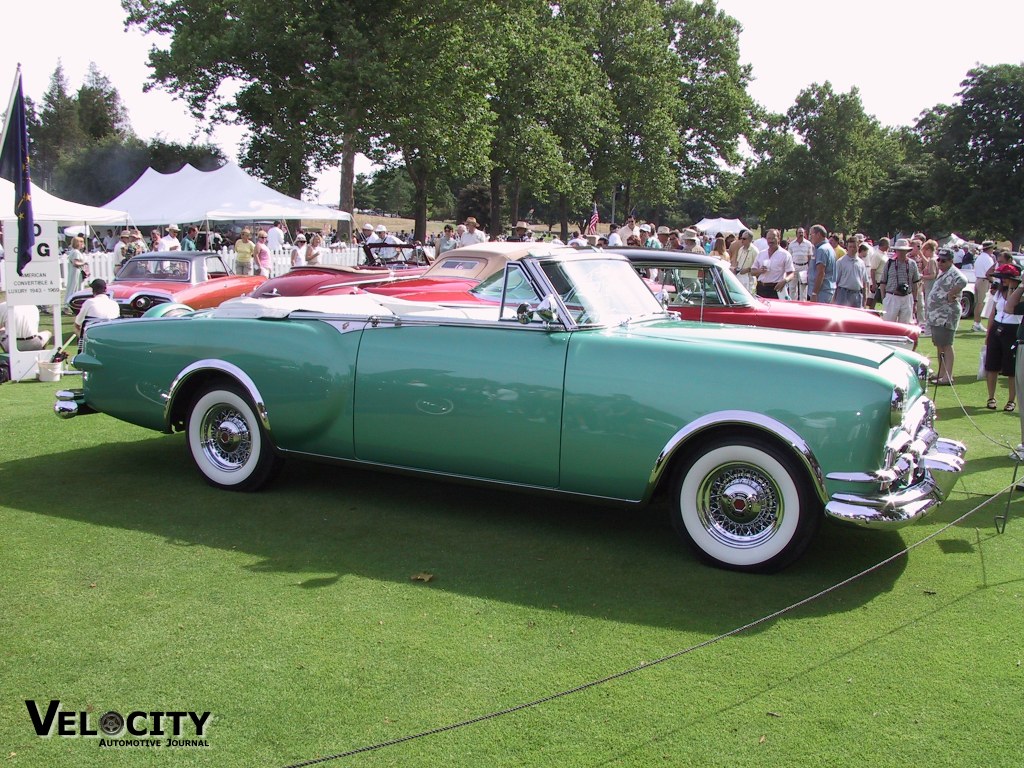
904,56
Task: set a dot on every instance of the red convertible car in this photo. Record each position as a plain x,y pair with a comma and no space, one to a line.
381,262
701,288
199,279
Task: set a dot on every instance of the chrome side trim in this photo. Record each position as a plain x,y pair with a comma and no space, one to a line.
759,421
465,479
220,366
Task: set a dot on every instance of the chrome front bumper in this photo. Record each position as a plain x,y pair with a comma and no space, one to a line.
71,403
920,470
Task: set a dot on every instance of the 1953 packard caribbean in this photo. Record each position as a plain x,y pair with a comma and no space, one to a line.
577,382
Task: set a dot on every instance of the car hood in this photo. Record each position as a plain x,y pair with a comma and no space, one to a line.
838,319
841,349
127,289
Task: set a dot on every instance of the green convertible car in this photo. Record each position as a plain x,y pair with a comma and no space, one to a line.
574,380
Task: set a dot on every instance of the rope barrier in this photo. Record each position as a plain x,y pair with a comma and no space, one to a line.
661,660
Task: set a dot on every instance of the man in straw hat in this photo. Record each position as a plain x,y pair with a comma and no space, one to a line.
521,233
170,242
899,284
472,235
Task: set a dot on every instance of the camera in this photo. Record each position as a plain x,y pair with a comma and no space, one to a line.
903,289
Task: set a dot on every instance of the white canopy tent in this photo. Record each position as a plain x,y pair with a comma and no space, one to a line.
225,194
725,226
47,207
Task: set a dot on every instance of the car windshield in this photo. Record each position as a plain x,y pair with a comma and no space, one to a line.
177,270
738,292
602,291
695,285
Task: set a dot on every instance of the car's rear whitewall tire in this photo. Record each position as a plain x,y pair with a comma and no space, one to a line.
745,504
227,442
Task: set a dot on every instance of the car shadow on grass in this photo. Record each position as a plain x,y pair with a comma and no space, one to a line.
324,522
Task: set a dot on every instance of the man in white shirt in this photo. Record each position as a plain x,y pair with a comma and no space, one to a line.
472,235
773,268
745,256
801,249
630,229
118,249
275,237
99,307
984,262
110,241
380,235
23,324
170,242
578,241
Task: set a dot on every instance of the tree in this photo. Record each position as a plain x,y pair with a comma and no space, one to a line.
101,112
424,48
296,73
820,161
978,150
59,132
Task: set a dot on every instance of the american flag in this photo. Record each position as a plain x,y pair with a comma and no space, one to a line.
594,219
14,168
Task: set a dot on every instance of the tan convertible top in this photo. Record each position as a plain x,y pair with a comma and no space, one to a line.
475,262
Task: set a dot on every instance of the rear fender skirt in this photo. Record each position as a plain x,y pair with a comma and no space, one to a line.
746,419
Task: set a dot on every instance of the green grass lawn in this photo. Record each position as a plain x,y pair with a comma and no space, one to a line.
292,616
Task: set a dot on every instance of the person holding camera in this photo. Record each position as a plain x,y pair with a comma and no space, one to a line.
899,283
1001,338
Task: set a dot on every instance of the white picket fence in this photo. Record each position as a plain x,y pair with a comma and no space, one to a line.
102,264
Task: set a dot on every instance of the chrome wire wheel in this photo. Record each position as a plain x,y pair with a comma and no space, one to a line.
740,505
745,503
226,437
228,444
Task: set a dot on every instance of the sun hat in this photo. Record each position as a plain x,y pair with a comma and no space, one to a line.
663,230
645,227
903,245
368,226
522,225
173,228
689,234
1008,271
300,238
380,228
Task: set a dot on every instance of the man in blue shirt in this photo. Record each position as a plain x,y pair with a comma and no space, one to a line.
821,273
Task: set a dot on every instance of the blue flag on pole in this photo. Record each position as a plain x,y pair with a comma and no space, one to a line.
14,168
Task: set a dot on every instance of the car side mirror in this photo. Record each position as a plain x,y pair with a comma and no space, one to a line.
545,311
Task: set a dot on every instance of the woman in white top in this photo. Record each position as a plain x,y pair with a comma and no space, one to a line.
299,251
1001,337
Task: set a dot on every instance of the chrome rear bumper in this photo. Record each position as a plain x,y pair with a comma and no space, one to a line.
71,403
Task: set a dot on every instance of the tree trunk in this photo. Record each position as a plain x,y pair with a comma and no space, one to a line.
563,216
495,225
513,202
347,199
418,176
